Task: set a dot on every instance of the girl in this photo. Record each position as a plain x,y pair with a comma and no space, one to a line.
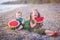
20,19
37,26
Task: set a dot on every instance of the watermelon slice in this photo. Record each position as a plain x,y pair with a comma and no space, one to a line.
39,20
13,24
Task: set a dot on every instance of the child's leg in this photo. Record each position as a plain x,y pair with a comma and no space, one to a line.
51,33
40,30
20,27
48,32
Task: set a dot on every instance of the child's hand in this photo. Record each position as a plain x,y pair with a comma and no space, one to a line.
32,24
40,22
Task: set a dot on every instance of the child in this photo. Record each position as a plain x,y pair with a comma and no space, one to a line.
20,19
37,27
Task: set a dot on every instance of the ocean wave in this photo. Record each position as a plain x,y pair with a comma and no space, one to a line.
4,8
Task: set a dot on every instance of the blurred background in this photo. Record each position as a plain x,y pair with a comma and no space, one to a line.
28,1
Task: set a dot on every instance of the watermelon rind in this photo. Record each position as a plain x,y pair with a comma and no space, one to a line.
12,27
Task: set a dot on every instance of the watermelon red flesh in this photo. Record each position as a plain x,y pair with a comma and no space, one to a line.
39,19
13,23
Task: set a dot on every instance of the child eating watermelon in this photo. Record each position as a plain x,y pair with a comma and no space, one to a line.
36,23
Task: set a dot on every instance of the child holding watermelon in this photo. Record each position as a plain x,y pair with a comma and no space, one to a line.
20,19
36,25
16,23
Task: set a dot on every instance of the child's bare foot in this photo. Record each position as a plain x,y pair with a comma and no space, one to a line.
51,33
54,34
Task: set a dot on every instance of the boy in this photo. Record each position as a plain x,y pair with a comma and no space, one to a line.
20,19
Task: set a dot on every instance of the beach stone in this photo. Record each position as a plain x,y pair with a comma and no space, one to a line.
51,13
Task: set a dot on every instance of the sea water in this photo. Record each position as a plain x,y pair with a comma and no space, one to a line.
4,8
2,1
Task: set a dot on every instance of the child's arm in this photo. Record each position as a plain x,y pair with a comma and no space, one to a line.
23,21
32,25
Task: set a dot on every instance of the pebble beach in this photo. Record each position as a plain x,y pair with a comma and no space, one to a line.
51,13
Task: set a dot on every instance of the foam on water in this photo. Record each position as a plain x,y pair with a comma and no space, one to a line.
2,1
4,8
